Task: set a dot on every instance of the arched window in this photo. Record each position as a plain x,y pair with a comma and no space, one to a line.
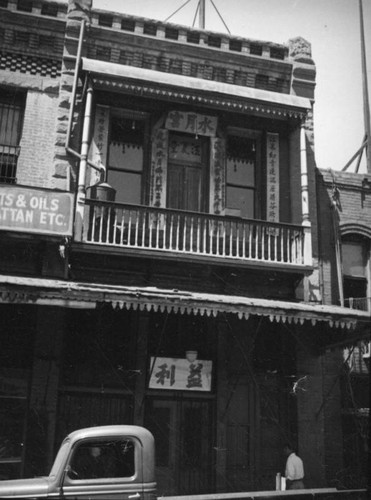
356,271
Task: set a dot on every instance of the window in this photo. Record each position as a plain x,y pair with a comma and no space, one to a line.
356,271
128,25
150,29
235,45
105,20
126,156
193,37
103,459
241,174
11,120
262,81
256,50
171,33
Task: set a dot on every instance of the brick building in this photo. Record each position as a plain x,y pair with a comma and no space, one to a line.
344,201
166,256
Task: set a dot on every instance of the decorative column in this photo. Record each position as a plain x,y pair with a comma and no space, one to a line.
81,190
305,199
303,84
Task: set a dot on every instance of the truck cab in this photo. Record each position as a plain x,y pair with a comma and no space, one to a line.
107,463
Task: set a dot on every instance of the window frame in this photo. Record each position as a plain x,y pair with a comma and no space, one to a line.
143,173
99,442
11,101
203,167
256,136
365,243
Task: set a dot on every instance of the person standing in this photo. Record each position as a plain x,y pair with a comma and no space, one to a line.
294,471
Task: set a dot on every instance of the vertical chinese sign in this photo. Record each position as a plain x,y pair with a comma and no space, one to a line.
273,181
159,168
99,145
180,374
217,176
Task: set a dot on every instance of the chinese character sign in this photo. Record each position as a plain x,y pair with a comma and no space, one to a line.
185,148
217,176
159,168
192,123
180,374
273,183
99,144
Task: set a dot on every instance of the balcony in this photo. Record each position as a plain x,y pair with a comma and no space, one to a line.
200,236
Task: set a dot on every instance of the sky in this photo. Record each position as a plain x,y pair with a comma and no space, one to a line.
333,29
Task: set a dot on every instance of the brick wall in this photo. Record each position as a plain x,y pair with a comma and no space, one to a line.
352,215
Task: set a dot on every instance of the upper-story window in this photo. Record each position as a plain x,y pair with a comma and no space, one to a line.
356,271
241,174
126,156
11,120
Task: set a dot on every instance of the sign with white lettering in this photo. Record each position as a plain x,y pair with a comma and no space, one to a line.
180,374
36,211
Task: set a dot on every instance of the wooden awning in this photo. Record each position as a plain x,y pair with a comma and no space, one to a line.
39,291
181,88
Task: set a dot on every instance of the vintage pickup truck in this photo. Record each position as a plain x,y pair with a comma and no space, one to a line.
118,462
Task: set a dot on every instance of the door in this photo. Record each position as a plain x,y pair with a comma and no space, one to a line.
186,173
183,434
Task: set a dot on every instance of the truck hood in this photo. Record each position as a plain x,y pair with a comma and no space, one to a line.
24,488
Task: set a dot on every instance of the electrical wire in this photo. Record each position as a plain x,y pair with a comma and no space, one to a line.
173,14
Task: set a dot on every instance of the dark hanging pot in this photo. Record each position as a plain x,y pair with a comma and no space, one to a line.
102,192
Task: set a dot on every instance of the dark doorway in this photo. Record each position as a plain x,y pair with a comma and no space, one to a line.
183,431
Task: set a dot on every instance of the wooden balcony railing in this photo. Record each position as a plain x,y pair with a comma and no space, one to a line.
179,232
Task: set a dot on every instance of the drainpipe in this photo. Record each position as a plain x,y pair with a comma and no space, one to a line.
74,89
305,199
335,204
68,148
81,191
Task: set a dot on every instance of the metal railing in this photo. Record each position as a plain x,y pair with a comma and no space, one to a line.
167,230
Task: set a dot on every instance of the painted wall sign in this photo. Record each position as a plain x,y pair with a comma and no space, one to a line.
193,123
180,374
36,211
273,178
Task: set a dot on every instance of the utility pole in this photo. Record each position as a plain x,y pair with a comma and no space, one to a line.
202,14
366,144
366,105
